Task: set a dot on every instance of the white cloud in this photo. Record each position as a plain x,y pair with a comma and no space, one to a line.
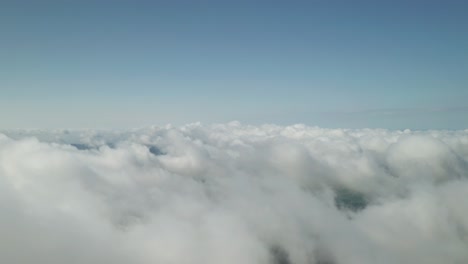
231,193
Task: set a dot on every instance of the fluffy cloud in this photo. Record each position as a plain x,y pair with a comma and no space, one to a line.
232,193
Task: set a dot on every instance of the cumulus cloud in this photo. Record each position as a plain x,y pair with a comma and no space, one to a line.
232,193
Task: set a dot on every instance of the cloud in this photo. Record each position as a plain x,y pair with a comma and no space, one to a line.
232,193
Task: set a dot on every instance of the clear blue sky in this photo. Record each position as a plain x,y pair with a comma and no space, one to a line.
118,64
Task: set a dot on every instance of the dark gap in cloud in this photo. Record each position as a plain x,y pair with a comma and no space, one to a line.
156,151
81,146
347,199
111,145
279,255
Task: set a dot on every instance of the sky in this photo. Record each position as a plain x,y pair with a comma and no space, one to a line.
122,64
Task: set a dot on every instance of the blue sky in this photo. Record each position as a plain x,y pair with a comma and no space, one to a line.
119,64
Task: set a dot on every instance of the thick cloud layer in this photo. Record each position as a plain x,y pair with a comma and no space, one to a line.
234,194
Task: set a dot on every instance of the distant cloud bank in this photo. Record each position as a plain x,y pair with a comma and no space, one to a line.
232,193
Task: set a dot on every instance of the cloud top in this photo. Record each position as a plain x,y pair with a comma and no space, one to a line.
232,193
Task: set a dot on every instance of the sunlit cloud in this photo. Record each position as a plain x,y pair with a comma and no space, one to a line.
233,193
